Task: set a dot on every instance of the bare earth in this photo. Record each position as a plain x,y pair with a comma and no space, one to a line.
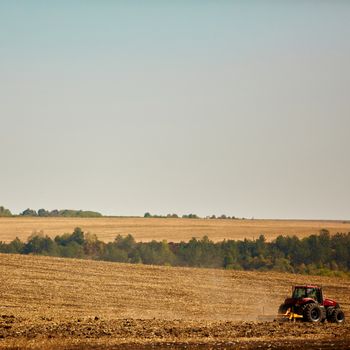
53,303
173,230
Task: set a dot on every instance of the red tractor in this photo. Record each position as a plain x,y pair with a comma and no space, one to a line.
307,304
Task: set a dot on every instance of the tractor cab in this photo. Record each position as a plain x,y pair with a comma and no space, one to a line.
308,292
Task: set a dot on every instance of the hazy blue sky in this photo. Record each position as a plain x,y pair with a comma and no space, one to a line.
235,107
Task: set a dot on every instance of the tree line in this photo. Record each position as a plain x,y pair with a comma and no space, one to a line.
52,213
93,214
322,254
171,216
71,213
190,216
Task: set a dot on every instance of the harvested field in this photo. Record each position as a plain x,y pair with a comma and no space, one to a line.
173,230
66,303
153,334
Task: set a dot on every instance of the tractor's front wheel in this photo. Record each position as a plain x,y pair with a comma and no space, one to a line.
312,313
337,316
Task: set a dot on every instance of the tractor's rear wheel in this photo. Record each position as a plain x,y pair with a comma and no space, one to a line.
312,313
337,316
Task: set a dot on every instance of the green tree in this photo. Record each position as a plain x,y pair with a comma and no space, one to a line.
39,244
282,265
113,253
78,213
157,253
43,212
126,243
72,250
93,248
29,212
14,247
190,216
5,212
77,236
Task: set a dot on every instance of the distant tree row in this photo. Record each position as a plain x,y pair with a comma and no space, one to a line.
55,213
185,216
91,214
223,217
189,216
63,213
321,254
149,215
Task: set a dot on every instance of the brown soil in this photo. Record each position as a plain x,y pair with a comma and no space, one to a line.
96,333
52,303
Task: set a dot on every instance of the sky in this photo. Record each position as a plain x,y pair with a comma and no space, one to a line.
209,107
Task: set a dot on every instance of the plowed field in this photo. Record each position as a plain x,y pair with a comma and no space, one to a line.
53,303
173,230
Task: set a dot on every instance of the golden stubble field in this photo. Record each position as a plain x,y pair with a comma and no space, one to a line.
64,288
175,230
47,300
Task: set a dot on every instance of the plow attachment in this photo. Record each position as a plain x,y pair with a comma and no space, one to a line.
289,315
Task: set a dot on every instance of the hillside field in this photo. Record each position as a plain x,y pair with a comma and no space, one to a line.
66,303
175,230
